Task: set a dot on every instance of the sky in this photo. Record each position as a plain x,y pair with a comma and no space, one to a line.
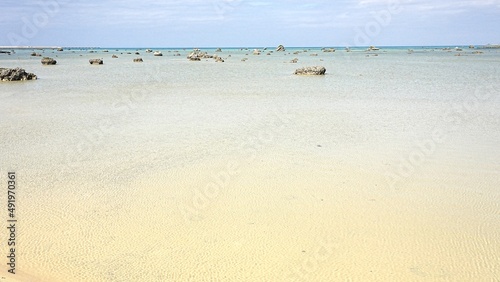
248,23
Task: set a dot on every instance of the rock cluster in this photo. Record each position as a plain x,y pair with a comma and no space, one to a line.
197,55
15,75
317,70
96,62
48,61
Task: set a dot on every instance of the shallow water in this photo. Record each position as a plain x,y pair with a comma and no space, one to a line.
391,158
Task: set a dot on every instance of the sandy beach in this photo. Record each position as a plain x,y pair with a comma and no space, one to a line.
384,169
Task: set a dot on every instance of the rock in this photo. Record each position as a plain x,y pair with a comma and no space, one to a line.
149,51
34,54
328,50
137,53
96,61
256,52
244,59
313,55
219,60
138,60
105,51
317,70
60,49
197,55
218,50
294,61
280,48
157,54
114,56
15,75
48,61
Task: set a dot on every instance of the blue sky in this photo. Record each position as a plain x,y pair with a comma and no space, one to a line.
224,23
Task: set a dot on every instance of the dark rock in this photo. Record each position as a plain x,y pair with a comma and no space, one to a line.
317,70
158,54
218,50
280,48
60,49
15,75
48,61
114,56
138,60
34,54
96,62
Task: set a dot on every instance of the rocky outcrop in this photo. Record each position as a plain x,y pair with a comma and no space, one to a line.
317,70
96,61
138,60
280,48
15,75
48,61
219,59
197,55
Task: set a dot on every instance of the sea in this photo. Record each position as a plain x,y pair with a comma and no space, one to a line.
179,170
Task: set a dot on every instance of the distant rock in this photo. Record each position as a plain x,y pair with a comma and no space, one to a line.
48,61
218,50
105,51
114,56
280,48
328,50
149,51
157,54
317,70
219,60
15,75
294,61
60,49
256,52
137,53
197,55
96,61
244,59
34,54
138,60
